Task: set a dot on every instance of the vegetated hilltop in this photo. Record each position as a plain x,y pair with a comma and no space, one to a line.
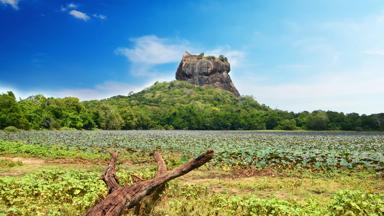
171,105
181,105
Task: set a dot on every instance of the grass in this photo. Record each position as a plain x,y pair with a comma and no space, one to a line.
292,189
7,164
47,152
65,180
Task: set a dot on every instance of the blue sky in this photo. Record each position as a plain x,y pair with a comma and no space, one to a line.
293,55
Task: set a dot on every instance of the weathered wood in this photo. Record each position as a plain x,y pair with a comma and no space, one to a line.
109,176
161,166
147,204
129,196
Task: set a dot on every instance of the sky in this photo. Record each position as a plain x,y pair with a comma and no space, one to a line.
291,55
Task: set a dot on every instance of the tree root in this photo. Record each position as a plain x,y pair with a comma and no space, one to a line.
121,198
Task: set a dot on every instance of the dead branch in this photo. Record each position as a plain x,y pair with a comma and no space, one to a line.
147,204
161,166
109,176
127,197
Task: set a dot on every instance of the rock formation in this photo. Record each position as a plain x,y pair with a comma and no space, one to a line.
206,70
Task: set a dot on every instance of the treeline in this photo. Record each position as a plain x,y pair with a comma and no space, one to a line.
39,112
171,105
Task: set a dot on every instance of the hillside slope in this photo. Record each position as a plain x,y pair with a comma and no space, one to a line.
177,93
181,105
171,105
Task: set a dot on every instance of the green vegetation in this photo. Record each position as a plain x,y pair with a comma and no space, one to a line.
69,191
49,152
37,112
314,150
343,203
50,192
11,129
172,105
253,173
4,164
212,58
357,203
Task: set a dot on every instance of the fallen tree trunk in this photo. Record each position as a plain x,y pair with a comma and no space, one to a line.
147,204
121,198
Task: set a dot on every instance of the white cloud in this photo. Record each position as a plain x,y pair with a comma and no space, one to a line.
100,16
12,3
79,15
72,6
374,52
100,91
234,56
339,66
146,53
358,91
76,13
151,51
68,7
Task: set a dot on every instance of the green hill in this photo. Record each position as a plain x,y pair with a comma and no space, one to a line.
171,105
181,93
181,105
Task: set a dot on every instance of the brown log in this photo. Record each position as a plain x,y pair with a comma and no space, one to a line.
109,176
147,204
129,196
161,166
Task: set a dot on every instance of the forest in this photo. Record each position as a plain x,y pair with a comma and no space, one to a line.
171,105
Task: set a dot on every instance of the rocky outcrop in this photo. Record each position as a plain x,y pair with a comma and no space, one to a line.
206,70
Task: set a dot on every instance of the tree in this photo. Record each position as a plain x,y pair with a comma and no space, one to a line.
272,120
370,122
336,120
129,117
352,122
287,124
301,119
34,110
174,105
253,120
109,118
318,120
10,112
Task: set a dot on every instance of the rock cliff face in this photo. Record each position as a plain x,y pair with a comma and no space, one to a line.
206,70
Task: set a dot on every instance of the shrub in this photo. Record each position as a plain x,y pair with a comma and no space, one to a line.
287,124
357,203
11,129
50,192
68,129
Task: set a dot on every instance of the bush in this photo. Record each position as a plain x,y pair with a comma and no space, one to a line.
357,203
47,151
287,124
317,121
50,192
68,129
11,129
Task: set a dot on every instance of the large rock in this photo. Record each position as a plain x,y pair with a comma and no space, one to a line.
206,70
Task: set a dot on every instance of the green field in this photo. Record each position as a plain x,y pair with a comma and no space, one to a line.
252,173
